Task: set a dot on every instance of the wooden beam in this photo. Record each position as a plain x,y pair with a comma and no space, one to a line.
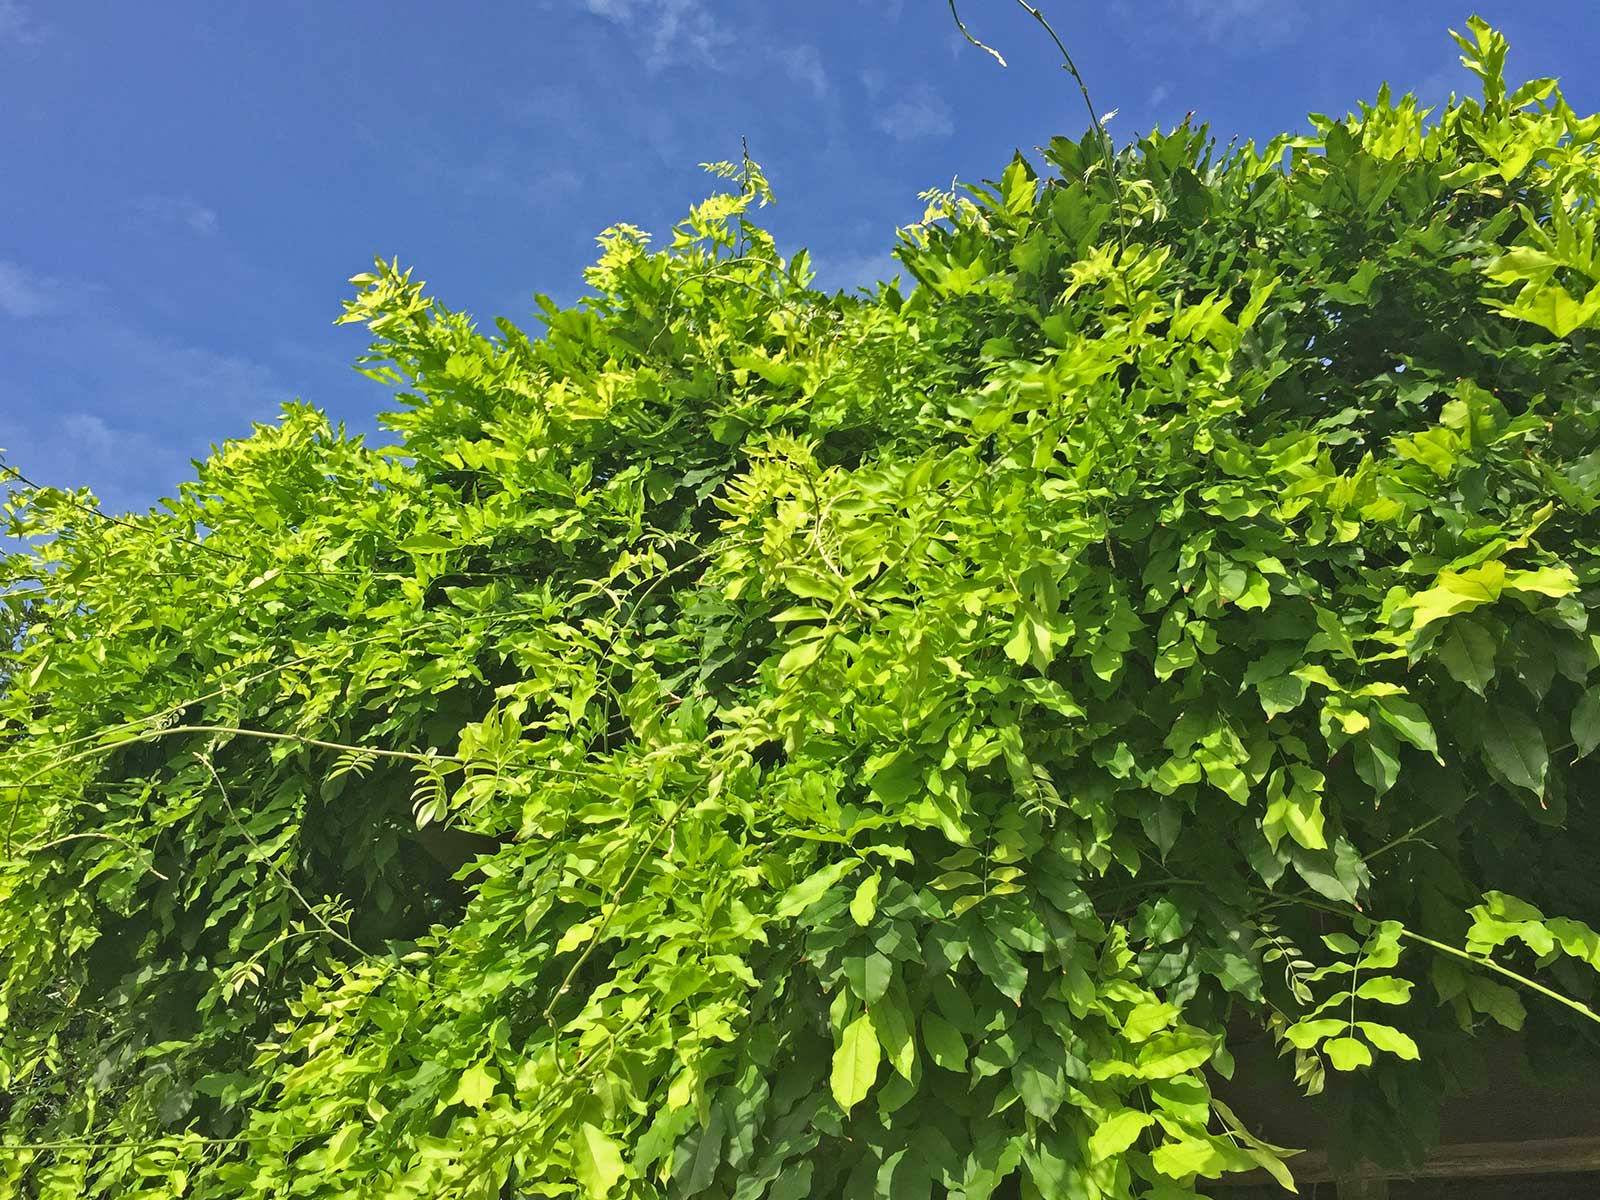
1475,1160
1363,1187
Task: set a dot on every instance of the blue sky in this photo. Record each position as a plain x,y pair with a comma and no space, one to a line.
186,186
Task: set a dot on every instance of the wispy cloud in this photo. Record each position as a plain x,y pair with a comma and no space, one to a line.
24,294
1260,23
125,467
921,114
179,210
192,379
803,64
499,174
671,31
847,272
18,27
127,423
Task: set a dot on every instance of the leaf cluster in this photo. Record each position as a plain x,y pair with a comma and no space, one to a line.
751,743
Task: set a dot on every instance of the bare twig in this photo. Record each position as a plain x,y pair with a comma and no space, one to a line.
1095,119
961,25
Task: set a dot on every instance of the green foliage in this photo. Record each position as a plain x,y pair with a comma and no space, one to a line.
751,743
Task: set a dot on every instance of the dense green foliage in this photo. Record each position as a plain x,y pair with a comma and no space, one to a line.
745,742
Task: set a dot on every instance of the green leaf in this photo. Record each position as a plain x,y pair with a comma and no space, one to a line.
1117,1132
1281,695
1409,721
1389,1040
1194,1156
700,1152
1586,723
1468,651
999,962
474,1087
1347,1053
865,904
898,779
1554,582
1297,812
1169,1054
597,1161
870,972
891,1025
1325,874
1148,1018
1457,592
1515,746
1554,308
1305,1034
1496,1001
1385,989
1040,1080
809,890
855,1063
1159,921
426,543
1377,761
1185,1097
944,1042
341,1147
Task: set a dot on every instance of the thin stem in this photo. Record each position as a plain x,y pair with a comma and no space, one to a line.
13,473
615,904
298,739
1444,948
1095,121
985,47
73,837
175,1142
283,876
1094,118
1408,836
151,735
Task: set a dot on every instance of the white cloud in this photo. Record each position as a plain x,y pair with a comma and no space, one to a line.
179,210
1158,95
922,114
24,294
672,31
17,25
803,64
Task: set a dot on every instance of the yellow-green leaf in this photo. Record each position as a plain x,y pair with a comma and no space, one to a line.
865,904
1347,1053
597,1161
1458,591
1117,1132
855,1063
474,1087
810,889
1389,1039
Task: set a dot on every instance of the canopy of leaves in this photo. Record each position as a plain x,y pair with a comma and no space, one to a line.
745,742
